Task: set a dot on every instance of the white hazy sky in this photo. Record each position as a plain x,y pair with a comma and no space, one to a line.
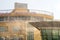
47,5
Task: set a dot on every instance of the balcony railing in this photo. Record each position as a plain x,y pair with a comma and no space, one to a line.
6,11
41,12
29,10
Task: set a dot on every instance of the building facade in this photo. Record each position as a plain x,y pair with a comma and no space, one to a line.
15,24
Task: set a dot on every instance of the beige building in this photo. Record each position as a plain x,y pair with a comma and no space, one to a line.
15,24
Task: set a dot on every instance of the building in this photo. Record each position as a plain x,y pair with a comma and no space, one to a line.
50,30
15,25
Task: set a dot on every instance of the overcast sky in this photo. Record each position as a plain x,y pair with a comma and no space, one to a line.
47,5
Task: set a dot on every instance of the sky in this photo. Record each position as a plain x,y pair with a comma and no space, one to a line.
47,5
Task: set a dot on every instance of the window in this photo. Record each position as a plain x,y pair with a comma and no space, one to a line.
14,38
5,18
11,18
30,36
44,35
16,29
59,33
3,29
37,18
1,18
19,18
55,31
50,34
24,17
1,38
30,33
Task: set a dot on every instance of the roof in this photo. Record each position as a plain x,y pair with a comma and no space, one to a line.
47,24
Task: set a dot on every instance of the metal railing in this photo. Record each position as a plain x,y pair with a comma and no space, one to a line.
41,12
29,10
6,11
